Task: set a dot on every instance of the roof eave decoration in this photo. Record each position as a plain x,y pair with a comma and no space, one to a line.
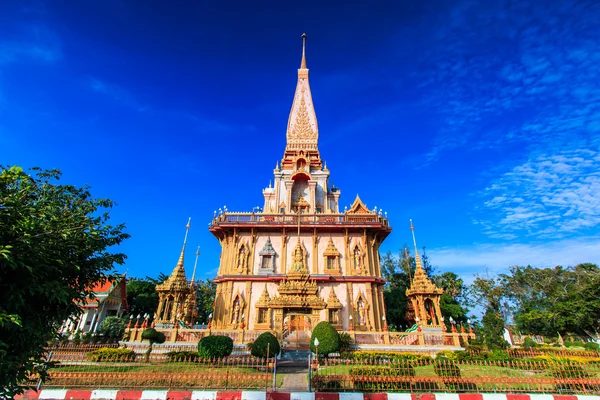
358,207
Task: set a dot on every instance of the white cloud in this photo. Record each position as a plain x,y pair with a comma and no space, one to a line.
477,259
38,43
546,197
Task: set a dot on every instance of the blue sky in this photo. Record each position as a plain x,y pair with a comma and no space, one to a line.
480,120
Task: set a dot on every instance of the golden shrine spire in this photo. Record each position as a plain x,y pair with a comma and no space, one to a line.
302,131
195,264
419,265
177,280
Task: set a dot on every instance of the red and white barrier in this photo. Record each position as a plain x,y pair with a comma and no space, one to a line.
62,394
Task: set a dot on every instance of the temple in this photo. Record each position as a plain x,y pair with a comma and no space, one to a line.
300,260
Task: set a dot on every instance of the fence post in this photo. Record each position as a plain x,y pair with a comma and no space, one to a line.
310,372
275,373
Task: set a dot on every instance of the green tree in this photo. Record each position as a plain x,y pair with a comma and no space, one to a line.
395,272
205,298
452,299
266,341
142,296
492,294
113,327
55,244
559,299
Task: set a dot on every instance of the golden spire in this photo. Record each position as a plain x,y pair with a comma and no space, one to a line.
195,264
303,62
419,265
302,130
177,281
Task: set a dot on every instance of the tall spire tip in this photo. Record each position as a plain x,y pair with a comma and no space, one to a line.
303,63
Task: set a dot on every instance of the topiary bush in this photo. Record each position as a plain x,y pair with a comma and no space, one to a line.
215,346
329,339
111,355
529,343
152,336
266,341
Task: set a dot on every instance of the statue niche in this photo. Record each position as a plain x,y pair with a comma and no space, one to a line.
298,260
242,259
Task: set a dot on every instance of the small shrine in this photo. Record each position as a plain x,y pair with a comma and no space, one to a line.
177,296
423,296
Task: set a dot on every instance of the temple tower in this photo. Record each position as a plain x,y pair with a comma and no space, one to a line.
300,260
177,296
423,295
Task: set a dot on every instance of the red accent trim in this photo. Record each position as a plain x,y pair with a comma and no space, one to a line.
517,397
278,396
326,396
423,396
78,394
229,395
470,396
129,395
177,395
563,397
375,396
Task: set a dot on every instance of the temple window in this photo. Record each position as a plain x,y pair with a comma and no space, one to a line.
267,258
263,315
334,317
330,262
266,261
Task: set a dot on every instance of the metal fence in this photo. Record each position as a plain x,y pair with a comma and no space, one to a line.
518,376
160,371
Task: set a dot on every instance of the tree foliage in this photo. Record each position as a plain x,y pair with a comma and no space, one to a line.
205,298
550,300
113,327
55,244
142,296
329,340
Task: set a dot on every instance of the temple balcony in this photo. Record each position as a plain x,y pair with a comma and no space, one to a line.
231,219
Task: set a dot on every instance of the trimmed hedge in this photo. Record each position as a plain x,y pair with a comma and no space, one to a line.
183,356
215,346
329,339
265,341
108,354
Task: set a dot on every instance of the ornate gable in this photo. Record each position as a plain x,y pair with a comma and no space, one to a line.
358,207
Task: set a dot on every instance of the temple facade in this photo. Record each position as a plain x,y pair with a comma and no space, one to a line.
301,259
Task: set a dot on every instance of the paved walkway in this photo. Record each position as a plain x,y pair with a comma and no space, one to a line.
294,382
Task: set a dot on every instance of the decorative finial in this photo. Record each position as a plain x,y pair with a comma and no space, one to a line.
303,63
412,228
195,264
276,165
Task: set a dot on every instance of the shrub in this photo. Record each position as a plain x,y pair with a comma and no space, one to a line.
529,343
345,342
215,346
111,354
113,327
182,356
329,340
262,343
592,346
